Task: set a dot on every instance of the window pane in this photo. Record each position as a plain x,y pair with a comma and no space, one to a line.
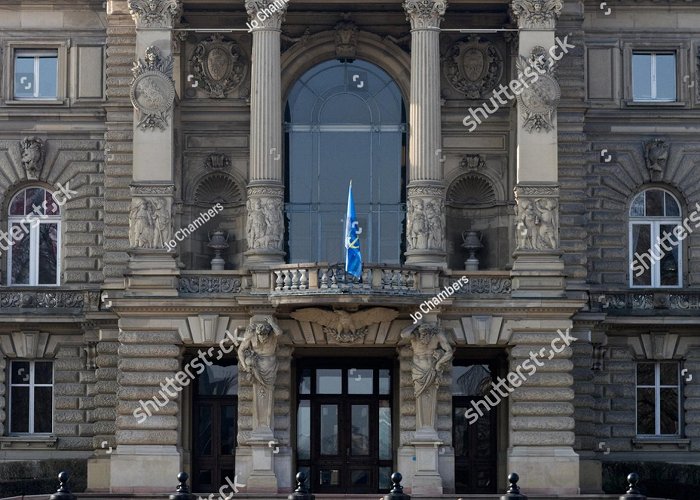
329,429
19,372
359,439
48,253
17,205
360,381
218,380
359,477
472,380
637,208
655,202
669,411
20,258
329,381
385,478
641,260
304,430
305,382
48,76
19,413
666,77
203,435
228,429
24,76
669,261
645,411
641,76
384,382
43,406
672,208
645,373
43,372
385,449
52,207
669,373
35,197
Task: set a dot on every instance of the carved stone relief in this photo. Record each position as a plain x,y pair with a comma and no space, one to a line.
539,100
220,66
150,222
425,219
472,189
153,89
536,13
473,67
155,13
537,218
472,162
33,152
431,353
343,327
656,157
217,161
265,224
346,41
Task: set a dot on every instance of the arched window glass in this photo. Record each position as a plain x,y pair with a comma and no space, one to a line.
656,236
345,121
33,238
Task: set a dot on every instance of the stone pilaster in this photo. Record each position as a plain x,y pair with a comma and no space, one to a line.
104,413
265,226
691,404
541,414
74,384
538,267
3,394
152,94
146,453
425,206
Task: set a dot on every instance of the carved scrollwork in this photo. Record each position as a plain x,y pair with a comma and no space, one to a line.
155,13
220,65
197,285
536,13
540,99
473,67
153,89
32,150
425,13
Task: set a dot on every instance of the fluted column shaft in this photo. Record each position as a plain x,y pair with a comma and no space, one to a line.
425,208
265,227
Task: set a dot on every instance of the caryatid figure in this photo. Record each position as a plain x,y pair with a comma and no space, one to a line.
257,357
431,352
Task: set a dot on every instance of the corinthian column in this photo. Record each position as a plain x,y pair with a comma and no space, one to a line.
425,228
152,190
538,266
265,227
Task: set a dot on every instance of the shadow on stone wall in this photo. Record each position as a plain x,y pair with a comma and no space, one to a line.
658,479
32,477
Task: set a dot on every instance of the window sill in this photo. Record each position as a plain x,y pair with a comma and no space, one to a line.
35,102
660,443
28,442
644,104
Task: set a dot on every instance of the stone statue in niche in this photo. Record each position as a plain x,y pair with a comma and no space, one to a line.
656,157
32,150
257,357
141,227
431,353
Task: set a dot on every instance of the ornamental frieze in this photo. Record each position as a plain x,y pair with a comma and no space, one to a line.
539,99
155,13
343,327
536,13
153,89
219,65
473,67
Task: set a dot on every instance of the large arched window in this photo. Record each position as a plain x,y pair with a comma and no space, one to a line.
33,238
656,240
345,121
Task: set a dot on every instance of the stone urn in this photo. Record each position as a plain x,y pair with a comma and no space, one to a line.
218,241
471,242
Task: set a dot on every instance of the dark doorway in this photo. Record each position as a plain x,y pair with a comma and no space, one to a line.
344,425
474,440
215,423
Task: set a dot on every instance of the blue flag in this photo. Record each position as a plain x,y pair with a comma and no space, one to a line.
353,257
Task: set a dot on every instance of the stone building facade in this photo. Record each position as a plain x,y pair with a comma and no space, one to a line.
139,139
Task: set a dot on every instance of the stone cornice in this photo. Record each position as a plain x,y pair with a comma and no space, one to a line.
425,14
155,13
536,14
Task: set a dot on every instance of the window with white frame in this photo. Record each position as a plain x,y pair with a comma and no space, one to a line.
36,74
656,234
33,240
654,76
658,398
31,397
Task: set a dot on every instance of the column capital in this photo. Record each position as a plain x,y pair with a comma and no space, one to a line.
155,13
266,14
425,14
536,14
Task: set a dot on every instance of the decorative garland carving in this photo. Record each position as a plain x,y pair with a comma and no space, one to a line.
473,67
153,89
220,65
539,101
536,13
155,13
424,14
